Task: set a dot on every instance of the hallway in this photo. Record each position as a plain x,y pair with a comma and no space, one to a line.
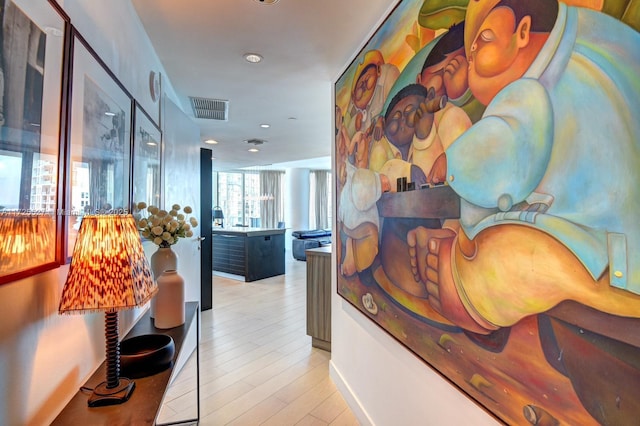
257,365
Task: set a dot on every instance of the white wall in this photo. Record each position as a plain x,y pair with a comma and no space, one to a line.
384,383
45,357
296,202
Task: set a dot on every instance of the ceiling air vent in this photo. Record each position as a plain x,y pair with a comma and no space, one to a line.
255,141
211,109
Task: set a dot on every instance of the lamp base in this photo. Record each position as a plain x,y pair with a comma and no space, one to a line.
103,396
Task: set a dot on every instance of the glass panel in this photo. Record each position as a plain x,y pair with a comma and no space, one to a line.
30,90
103,147
230,197
313,185
252,199
312,201
10,171
146,161
238,194
100,143
43,183
80,194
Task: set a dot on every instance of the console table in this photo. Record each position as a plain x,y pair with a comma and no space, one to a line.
319,296
144,403
254,253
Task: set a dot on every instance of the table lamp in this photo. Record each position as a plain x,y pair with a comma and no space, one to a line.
218,215
109,272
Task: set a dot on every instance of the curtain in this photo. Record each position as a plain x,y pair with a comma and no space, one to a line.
321,198
272,203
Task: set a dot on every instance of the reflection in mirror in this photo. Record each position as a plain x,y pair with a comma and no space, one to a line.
146,160
98,161
27,240
30,78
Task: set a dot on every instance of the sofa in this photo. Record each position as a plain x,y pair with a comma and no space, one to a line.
308,239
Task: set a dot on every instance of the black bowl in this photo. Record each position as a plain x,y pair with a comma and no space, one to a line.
145,355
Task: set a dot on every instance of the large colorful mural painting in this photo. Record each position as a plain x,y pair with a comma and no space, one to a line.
488,161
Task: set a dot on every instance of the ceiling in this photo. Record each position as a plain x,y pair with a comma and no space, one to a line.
305,44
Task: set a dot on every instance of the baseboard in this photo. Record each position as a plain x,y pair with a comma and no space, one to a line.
352,400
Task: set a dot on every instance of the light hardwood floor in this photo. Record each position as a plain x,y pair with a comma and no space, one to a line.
257,365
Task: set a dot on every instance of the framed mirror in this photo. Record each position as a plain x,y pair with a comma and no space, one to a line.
30,95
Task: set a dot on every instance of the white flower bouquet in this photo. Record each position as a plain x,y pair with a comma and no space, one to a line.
163,227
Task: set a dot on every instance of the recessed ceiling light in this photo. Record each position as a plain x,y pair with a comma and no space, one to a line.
265,126
152,143
211,141
253,150
254,58
110,114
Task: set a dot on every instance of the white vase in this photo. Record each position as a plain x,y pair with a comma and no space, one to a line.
169,300
163,259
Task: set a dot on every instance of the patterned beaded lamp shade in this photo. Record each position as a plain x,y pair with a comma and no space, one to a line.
26,241
109,272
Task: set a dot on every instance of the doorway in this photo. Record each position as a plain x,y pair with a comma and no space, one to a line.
206,203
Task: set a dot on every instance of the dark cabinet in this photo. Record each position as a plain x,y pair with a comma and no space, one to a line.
252,253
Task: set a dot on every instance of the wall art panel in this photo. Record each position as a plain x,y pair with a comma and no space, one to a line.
147,141
98,168
31,58
487,161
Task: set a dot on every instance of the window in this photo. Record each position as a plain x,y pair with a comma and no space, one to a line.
249,198
238,194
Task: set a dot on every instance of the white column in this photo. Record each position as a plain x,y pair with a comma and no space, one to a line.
296,202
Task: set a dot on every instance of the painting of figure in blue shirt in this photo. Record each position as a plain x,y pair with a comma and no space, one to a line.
548,177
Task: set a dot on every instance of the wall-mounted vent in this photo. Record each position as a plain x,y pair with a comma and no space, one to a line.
211,109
